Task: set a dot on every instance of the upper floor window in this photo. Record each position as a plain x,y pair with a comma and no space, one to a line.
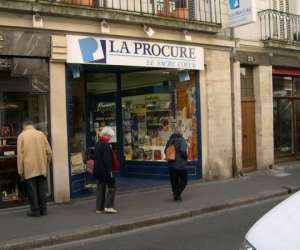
281,5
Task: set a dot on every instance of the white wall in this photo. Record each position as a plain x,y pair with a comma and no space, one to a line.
295,7
252,31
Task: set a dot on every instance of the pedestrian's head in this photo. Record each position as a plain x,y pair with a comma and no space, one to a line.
107,131
177,130
27,122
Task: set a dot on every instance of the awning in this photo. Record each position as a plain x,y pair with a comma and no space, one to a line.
286,71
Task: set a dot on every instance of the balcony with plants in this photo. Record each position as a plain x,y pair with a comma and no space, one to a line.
200,15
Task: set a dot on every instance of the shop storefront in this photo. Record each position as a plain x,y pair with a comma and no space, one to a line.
142,90
24,94
286,92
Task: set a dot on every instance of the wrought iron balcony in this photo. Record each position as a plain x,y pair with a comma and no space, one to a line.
280,27
204,11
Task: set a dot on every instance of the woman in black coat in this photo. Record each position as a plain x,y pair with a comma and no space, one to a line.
103,172
178,167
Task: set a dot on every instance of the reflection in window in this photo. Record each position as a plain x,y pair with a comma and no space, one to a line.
286,114
297,86
19,100
282,86
149,117
283,126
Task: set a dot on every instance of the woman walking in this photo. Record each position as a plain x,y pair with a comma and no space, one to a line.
104,172
176,155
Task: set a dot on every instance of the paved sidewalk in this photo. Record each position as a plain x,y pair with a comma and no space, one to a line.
78,219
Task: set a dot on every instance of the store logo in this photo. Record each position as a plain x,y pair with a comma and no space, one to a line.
93,50
234,4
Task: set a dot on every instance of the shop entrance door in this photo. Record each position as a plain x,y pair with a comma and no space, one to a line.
101,103
102,106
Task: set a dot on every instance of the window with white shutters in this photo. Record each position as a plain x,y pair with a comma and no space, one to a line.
281,5
281,26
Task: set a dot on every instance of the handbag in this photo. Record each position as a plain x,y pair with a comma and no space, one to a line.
90,166
115,161
170,153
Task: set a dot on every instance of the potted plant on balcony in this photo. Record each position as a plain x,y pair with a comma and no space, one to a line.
172,8
181,10
81,2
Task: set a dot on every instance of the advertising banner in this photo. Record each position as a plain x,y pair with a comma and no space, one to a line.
241,12
124,52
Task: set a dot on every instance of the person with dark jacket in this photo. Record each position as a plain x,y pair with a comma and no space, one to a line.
177,168
103,172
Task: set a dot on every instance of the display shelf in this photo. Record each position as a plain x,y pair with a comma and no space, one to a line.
8,157
157,111
6,146
153,124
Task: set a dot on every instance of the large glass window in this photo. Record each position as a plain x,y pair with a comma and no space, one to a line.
93,107
283,120
23,95
286,115
283,86
153,104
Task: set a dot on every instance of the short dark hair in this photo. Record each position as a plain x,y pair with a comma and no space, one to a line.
27,122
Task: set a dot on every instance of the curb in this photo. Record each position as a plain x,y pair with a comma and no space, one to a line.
96,231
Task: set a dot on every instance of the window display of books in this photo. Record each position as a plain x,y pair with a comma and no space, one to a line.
147,126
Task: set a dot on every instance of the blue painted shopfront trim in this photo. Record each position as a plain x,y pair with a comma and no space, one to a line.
156,170
140,169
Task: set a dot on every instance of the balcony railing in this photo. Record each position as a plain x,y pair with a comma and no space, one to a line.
205,11
280,27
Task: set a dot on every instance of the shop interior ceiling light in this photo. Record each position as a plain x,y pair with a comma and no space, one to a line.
105,27
187,36
37,21
149,31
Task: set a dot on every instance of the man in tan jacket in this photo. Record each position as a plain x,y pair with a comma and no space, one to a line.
34,155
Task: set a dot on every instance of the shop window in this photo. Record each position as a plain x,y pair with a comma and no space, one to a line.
153,104
20,99
286,115
77,124
282,86
283,129
247,89
297,86
93,107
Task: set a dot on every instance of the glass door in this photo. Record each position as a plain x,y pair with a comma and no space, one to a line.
101,92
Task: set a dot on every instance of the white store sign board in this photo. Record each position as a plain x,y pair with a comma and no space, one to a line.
241,12
124,52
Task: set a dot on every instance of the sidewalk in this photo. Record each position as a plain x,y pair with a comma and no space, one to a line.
78,220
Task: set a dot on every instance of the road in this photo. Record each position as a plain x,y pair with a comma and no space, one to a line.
218,231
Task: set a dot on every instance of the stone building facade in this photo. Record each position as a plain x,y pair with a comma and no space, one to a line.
269,51
222,97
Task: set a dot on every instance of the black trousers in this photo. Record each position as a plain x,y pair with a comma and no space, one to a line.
105,194
179,179
37,194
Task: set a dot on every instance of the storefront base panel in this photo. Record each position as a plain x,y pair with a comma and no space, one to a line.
160,171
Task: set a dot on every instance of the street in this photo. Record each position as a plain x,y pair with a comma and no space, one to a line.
222,230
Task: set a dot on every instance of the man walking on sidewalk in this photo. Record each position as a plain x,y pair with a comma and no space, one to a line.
34,155
176,155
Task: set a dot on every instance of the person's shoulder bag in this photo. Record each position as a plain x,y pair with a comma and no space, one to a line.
170,153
